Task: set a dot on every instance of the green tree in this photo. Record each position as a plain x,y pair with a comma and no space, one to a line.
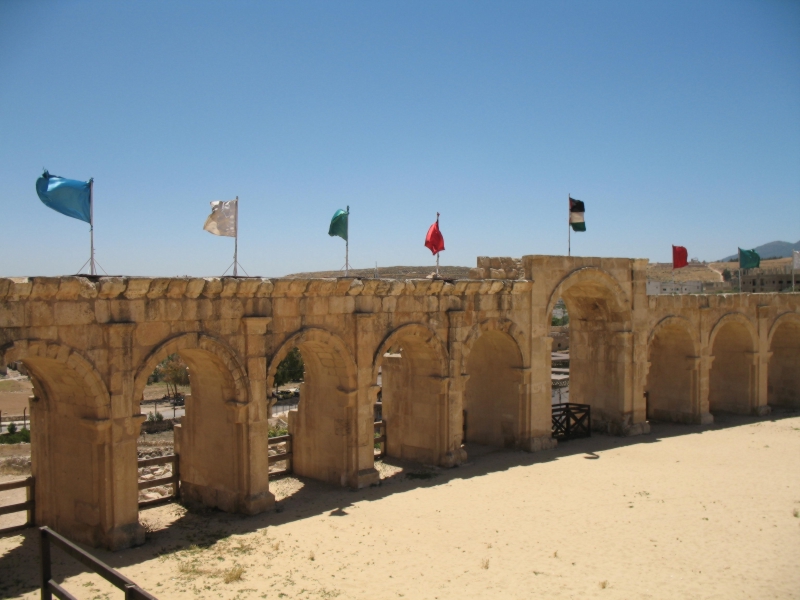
173,371
726,275
290,368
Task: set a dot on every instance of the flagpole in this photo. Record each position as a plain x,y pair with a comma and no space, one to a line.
347,247
740,270
569,227
236,241
91,226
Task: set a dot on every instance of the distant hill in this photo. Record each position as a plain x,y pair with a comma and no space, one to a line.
771,250
391,273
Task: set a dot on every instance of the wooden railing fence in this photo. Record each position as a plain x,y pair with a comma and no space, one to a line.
380,428
281,456
173,479
29,505
50,588
572,421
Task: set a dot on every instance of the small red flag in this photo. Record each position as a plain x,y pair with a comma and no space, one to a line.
434,240
679,257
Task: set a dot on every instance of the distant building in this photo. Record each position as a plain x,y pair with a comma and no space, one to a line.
766,280
656,288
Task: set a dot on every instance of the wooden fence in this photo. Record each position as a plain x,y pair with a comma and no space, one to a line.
29,505
50,588
173,479
572,421
380,428
281,456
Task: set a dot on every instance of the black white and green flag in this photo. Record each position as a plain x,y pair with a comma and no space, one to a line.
576,218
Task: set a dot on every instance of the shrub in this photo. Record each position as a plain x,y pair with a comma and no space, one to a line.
18,437
12,428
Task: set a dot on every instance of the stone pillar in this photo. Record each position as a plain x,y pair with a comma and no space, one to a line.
458,328
699,369
538,411
122,456
253,421
360,444
766,314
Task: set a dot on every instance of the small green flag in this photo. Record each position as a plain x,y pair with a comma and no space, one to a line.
749,259
339,224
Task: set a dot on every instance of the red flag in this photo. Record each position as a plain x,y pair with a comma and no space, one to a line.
679,257
434,240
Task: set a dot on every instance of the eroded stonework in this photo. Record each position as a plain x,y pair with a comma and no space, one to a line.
479,345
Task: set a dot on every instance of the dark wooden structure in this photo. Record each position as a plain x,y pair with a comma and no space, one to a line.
572,421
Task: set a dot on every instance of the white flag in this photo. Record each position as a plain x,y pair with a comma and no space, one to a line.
222,220
796,260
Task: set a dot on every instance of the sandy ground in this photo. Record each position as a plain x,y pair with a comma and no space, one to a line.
685,512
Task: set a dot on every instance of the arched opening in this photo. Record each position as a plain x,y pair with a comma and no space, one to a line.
732,379
672,378
211,438
71,456
412,366
163,402
559,355
326,417
493,391
783,387
600,344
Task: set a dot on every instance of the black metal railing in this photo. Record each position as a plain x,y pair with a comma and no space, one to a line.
50,588
572,421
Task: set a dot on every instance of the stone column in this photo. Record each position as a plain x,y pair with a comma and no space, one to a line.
121,513
538,414
360,444
458,328
700,414
252,422
766,314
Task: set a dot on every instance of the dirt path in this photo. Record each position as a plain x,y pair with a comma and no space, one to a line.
685,512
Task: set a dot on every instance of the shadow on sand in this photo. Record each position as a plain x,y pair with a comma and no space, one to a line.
202,527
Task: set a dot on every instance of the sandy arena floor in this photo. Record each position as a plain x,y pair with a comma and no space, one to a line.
685,512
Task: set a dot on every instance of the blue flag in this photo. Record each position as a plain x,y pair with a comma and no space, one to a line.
67,196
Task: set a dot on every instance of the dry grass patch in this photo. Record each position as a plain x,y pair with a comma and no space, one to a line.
235,573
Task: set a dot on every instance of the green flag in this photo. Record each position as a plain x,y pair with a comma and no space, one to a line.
339,223
749,259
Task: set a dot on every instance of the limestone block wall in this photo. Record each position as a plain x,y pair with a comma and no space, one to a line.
480,345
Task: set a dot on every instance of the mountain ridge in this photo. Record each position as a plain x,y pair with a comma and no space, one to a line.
775,249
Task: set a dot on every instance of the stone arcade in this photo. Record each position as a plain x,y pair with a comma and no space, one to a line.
444,347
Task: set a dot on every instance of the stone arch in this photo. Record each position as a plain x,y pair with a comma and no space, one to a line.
71,438
783,376
327,417
601,344
673,376
591,294
212,439
180,344
414,392
63,376
733,377
500,325
495,391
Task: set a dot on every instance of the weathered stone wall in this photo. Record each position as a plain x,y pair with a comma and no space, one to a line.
481,345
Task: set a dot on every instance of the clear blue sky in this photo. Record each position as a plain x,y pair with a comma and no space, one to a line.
675,122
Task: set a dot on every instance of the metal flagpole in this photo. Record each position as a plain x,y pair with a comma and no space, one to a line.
569,227
740,271
236,242
91,226
347,246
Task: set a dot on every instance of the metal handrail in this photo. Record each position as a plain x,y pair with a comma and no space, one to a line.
51,587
